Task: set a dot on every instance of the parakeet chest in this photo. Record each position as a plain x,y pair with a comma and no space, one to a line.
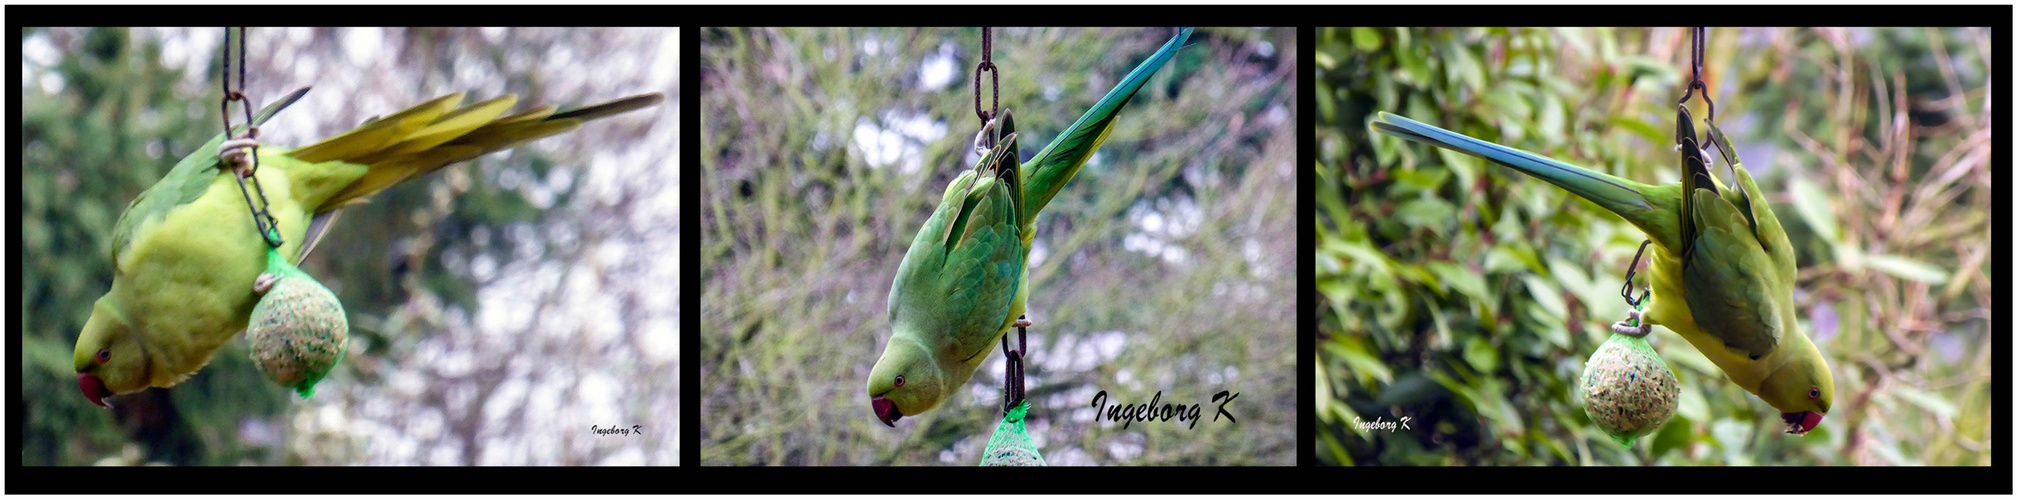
186,277
1670,308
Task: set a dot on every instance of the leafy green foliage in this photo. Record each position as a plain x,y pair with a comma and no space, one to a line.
1163,266
1465,296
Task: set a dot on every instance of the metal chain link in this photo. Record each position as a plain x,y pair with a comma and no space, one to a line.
1698,36
994,78
241,153
1627,290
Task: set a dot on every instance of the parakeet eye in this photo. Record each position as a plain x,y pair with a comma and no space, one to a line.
900,381
104,355
1814,393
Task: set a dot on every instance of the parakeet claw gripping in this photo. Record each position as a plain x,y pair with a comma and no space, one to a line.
264,283
1633,325
990,136
237,153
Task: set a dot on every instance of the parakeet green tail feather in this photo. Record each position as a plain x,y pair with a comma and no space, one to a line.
1613,193
1652,208
612,108
1051,168
422,139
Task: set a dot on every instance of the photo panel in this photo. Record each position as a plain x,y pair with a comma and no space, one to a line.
1529,254
870,242
496,291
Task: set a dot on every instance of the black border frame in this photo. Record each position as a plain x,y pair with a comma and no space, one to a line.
1304,479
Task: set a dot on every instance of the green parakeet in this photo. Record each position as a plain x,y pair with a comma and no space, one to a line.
1722,269
964,280
187,252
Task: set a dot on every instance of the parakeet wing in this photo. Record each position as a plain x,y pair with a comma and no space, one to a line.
962,281
984,260
1765,223
185,182
1743,197
1728,279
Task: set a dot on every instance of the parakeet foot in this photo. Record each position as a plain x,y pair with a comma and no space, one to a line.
1022,322
1632,326
237,153
264,283
1705,152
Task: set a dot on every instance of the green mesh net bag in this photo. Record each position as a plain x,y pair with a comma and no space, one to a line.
1011,445
1628,390
298,331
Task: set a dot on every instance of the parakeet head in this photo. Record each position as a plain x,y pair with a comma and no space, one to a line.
905,381
1802,390
109,357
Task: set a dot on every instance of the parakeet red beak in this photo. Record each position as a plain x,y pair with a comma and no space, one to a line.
1799,423
94,389
886,411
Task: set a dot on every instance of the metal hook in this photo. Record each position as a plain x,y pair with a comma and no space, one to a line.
1698,36
241,153
1627,290
1012,371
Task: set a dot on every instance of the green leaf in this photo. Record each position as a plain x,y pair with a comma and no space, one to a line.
1509,102
1907,269
1337,450
1813,205
1511,256
1415,66
1547,295
1674,435
1642,128
1359,359
1580,284
1426,180
1464,66
1442,322
1550,325
1324,398
1342,412
1459,279
1686,355
1327,108
1360,257
1731,436
1480,353
1550,123
1931,402
1365,39
1433,214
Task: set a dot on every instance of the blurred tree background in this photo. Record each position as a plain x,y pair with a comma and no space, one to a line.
498,308
1467,296
1166,265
